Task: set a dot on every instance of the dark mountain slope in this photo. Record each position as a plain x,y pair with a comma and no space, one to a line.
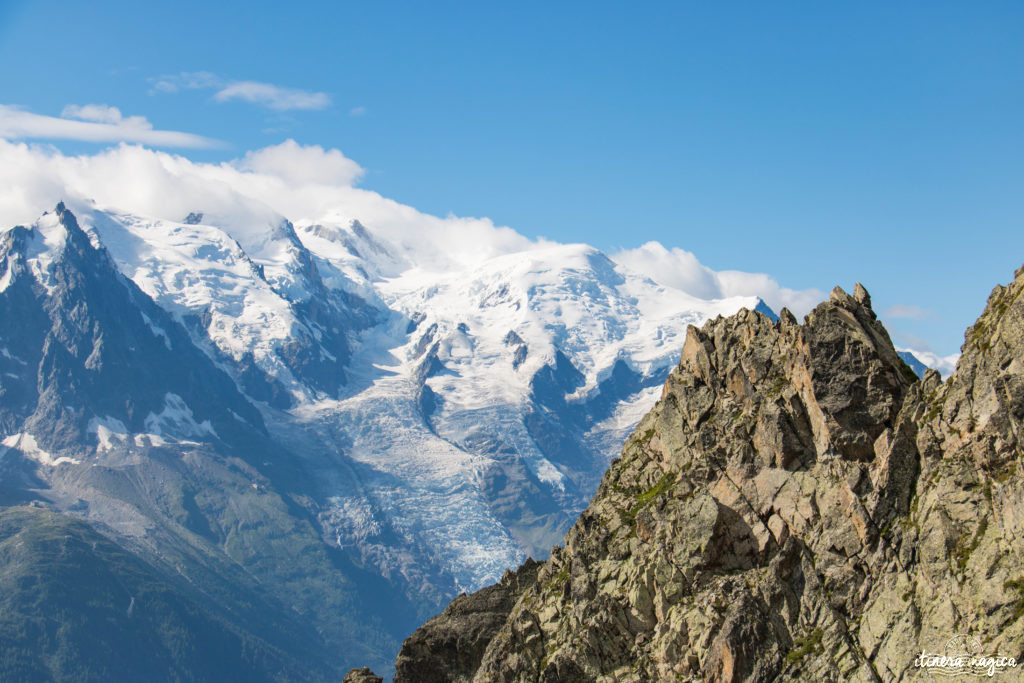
75,606
83,341
112,416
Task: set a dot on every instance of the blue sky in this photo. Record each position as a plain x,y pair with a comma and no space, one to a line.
822,143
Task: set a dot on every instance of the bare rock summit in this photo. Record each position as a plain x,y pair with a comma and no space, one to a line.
797,506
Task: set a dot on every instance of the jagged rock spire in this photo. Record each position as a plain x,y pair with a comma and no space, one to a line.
796,506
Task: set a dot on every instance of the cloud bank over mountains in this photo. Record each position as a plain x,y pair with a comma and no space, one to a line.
309,183
681,269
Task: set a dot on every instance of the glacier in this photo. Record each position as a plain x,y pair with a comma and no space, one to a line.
345,417
478,401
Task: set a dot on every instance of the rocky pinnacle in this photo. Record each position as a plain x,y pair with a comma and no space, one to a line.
796,506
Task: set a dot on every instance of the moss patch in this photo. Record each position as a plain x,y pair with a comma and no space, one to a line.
558,579
1018,607
777,386
643,499
804,646
964,547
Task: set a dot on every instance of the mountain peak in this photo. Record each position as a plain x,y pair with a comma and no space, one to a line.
764,308
861,295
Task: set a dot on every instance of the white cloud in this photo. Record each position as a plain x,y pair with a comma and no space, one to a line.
302,165
286,180
312,184
103,113
187,80
92,123
357,111
944,364
681,269
273,96
276,97
677,268
911,312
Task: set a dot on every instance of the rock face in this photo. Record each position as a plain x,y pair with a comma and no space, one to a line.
450,646
798,505
362,675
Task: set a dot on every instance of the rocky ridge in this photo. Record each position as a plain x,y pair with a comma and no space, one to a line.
798,505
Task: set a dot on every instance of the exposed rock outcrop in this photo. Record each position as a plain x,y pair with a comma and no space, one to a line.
798,505
362,675
450,646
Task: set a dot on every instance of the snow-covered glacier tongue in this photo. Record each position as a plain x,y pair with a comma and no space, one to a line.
458,412
482,415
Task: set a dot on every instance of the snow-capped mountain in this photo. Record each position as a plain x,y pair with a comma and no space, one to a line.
319,402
